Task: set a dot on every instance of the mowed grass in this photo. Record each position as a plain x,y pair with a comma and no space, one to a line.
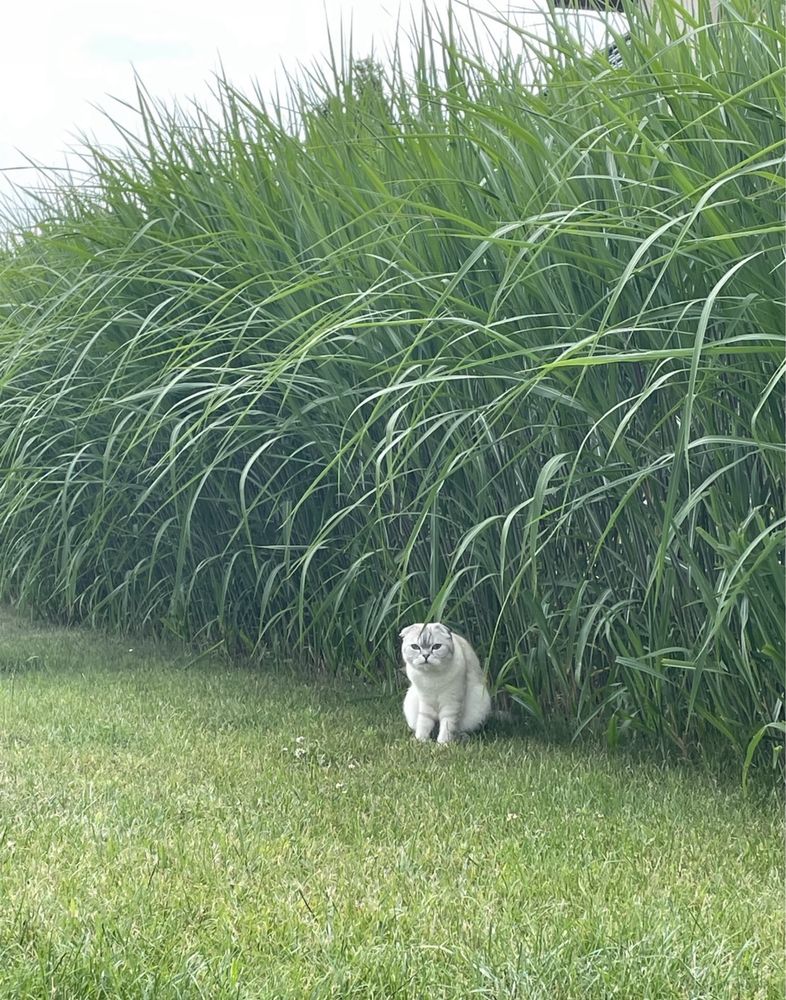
173,828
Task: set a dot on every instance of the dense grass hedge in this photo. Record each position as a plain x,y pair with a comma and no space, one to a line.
437,343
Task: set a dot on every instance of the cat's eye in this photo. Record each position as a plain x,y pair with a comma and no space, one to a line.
437,645
415,645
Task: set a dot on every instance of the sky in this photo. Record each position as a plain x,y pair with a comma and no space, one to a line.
60,63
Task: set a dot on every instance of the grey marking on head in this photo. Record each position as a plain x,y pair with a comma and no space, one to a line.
425,632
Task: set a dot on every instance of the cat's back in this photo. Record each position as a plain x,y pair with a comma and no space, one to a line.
468,656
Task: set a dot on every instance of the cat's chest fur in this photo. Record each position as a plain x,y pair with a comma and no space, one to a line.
441,684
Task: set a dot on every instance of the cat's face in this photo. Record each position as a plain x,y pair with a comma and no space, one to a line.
425,646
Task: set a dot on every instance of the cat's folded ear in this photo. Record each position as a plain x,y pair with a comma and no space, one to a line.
410,628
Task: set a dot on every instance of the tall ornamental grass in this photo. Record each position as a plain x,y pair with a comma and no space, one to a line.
492,339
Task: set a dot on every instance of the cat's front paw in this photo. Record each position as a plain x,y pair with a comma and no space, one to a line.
452,736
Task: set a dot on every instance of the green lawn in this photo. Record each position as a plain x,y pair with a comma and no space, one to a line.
172,829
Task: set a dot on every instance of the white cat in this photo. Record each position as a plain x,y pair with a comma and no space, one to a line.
447,684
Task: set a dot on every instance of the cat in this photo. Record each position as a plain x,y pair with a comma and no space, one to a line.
447,684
